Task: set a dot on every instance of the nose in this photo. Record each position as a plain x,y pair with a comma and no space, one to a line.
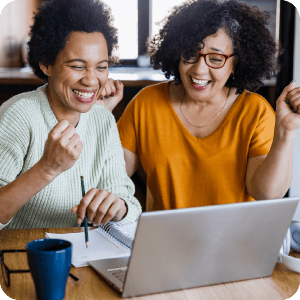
89,78
200,65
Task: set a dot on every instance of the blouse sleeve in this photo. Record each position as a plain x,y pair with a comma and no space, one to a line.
263,134
13,147
127,129
14,139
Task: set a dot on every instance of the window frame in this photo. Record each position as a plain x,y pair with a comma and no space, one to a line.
144,9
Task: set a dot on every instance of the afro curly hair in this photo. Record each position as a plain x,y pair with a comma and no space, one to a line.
190,23
57,19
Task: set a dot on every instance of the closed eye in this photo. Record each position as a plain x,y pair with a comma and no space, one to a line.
102,68
79,68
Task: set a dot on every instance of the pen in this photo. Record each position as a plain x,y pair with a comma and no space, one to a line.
85,218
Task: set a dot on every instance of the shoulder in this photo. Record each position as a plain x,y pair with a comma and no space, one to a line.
19,117
149,98
23,106
255,103
154,92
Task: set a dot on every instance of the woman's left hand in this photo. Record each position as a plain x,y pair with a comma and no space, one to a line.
111,95
288,108
100,207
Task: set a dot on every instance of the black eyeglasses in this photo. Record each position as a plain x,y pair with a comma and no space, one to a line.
213,60
6,271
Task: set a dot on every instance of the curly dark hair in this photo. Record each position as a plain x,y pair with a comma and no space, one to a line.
188,24
57,19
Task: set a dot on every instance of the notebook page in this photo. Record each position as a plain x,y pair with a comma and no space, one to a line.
129,228
100,246
123,233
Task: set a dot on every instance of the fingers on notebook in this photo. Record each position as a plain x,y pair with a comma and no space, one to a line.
101,207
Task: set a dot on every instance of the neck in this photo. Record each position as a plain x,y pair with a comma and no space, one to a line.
203,103
202,113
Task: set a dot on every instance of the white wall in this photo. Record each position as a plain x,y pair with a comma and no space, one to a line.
295,187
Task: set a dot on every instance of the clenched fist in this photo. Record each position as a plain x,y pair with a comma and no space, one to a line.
62,149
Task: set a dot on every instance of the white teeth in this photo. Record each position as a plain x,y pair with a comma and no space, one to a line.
83,95
200,82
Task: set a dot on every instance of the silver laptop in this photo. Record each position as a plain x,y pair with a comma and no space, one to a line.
191,247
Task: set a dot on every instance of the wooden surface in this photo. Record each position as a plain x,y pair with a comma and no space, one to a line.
282,285
131,77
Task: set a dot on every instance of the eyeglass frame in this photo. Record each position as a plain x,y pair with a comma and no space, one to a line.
204,55
8,271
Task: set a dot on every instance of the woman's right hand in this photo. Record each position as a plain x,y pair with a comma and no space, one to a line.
62,149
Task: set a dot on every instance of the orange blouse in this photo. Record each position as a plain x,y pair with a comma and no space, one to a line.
185,171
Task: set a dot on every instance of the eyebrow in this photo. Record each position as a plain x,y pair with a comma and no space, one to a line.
216,49
83,61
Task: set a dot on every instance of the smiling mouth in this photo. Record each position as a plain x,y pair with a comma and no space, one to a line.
199,82
84,97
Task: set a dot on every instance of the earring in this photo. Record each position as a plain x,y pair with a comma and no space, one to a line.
46,73
233,77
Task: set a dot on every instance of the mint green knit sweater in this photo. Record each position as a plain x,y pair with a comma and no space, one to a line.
25,122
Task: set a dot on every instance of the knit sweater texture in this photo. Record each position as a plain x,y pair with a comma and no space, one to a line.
25,122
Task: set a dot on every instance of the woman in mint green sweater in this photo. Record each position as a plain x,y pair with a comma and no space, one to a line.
52,136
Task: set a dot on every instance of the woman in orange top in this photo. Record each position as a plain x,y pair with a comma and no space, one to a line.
205,137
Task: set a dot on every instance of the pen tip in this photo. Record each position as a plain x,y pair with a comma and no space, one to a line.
86,244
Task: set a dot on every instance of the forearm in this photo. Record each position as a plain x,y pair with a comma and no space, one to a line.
16,194
273,177
131,162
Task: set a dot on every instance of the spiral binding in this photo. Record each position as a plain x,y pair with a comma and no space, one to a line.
119,234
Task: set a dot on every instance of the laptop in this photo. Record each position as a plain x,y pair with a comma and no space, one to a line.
192,247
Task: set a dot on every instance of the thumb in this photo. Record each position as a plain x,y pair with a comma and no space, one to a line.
287,89
74,209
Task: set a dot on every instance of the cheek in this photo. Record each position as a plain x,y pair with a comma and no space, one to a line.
67,78
221,76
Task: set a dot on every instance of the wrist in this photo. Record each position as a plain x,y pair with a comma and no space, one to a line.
45,173
283,134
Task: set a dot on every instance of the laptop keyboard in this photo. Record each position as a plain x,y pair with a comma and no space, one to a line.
119,273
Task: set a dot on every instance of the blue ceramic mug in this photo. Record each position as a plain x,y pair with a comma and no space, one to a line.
49,262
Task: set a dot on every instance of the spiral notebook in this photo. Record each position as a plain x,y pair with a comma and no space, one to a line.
107,241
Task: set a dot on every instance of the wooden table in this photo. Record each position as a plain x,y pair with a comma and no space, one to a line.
281,285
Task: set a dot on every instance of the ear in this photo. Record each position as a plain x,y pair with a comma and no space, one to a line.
44,69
